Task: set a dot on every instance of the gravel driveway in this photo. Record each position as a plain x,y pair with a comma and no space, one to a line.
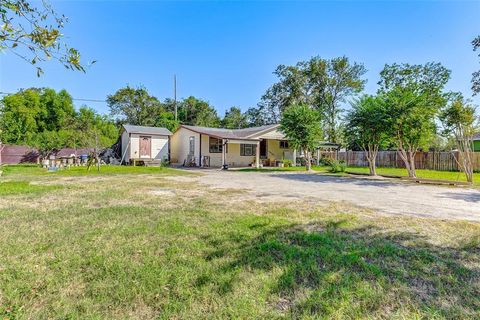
387,196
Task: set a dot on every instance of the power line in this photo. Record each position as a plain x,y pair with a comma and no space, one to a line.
75,99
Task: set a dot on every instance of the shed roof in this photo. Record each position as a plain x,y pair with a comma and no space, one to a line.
247,133
147,130
476,136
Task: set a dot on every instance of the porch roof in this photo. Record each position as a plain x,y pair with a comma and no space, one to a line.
248,134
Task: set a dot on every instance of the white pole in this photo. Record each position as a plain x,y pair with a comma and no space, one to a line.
125,152
224,156
257,155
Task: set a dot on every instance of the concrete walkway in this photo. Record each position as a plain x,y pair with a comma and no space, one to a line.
387,196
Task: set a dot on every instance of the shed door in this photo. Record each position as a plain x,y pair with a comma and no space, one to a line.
145,147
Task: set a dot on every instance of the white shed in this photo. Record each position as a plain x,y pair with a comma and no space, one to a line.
145,144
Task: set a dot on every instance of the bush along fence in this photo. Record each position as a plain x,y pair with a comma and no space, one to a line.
442,161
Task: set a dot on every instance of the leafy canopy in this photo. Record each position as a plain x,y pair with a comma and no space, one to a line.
134,106
195,112
234,119
459,118
367,123
35,34
301,125
322,84
411,119
414,95
47,120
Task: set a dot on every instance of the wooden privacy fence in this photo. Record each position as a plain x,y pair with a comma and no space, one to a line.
442,161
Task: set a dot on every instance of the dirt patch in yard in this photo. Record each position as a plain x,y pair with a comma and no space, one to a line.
383,195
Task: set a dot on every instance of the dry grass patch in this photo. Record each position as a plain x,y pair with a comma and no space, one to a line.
115,248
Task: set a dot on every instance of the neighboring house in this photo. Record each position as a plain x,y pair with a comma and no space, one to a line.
476,142
145,144
216,147
15,154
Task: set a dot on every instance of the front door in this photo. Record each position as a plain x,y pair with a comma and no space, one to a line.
263,148
145,147
191,149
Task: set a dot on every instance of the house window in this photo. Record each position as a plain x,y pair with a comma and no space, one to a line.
215,145
247,149
283,144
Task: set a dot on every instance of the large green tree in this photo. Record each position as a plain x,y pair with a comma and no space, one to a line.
414,95
195,112
90,125
135,106
20,116
47,120
323,84
367,127
301,125
255,117
33,32
459,119
234,119
30,111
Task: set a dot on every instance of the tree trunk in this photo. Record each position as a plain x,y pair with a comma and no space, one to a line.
408,158
371,158
372,167
411,159
308,163
465,156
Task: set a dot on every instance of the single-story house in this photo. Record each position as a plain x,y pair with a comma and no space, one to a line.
144,144
217,147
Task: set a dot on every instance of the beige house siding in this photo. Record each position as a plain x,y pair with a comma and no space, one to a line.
234,159
180,145
180,148
276,153
273,134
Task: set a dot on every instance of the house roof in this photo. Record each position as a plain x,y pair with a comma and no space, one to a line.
147,130
244,134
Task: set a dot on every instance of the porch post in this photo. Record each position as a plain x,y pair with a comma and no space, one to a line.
224,154
318,156
294,157
257,155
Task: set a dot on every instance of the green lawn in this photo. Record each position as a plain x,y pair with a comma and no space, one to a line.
427,174
270,169
18,171
149,243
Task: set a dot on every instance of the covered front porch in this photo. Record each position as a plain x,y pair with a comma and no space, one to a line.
263,152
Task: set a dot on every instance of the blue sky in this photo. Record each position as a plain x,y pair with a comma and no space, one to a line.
225,52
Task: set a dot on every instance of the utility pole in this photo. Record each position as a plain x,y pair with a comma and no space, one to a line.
175,95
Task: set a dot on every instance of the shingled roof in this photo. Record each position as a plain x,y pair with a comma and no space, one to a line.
147,130
222,133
